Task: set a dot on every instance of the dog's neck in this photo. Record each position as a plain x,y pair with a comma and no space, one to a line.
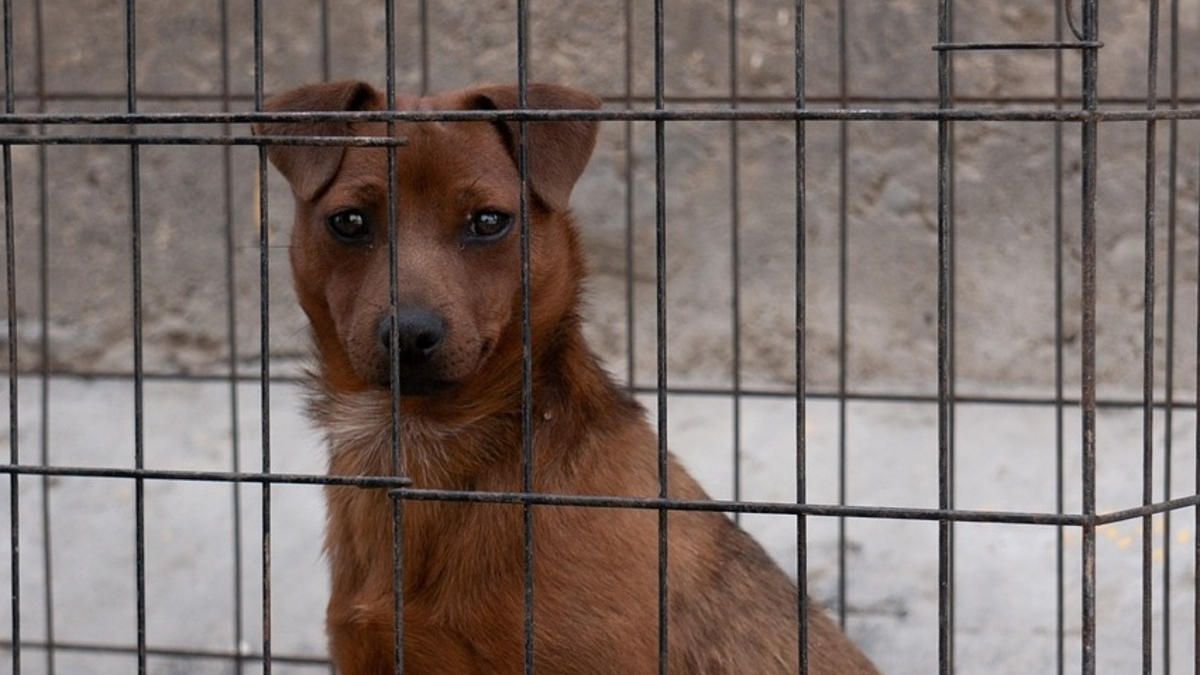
447,443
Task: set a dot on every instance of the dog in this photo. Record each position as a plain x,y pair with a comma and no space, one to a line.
459,329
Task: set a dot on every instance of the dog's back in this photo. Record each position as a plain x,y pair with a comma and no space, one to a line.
730,608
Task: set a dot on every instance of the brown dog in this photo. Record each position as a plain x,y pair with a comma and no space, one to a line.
458,326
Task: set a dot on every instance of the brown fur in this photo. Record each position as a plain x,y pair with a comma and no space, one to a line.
596,582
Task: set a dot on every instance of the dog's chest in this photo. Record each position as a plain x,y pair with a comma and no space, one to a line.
366,438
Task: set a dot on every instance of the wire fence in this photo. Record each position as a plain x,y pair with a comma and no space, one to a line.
641,114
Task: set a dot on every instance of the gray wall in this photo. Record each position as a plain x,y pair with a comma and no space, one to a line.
1005,185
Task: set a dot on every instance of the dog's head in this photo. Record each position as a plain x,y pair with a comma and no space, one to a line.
456,200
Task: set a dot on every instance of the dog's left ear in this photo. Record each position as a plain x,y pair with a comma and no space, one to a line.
557,151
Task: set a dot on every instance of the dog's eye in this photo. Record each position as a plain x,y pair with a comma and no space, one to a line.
489,225
350,226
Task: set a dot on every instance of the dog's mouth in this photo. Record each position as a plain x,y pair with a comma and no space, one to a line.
417,382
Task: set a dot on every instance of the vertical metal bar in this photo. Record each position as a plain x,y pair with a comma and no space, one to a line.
945,347
326,41
264,280
1169,346
630,296
135,208
423,20
39,33
14,445
526,330
264,403
14,416
1196,490
735,268
389,48
235,459
1089,77
1059,360
660,277
843,294
397,438
801,347
1148,299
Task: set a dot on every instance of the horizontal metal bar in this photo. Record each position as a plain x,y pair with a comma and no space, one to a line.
167,652
773,508
743,391
1148,510
205,476
339,141
1014,46
789,114
399,488
931,399
723,99
309,140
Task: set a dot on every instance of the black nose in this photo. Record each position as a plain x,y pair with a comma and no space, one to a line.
419,333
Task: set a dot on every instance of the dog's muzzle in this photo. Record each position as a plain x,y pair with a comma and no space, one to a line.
419,334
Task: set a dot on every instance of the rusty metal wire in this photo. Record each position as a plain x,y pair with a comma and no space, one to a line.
135,129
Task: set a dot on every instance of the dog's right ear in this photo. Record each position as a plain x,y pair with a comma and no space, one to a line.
310,168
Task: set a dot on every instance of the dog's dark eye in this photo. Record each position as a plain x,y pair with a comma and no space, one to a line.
350,226
489,225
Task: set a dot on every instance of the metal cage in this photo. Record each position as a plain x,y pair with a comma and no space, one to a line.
1031,491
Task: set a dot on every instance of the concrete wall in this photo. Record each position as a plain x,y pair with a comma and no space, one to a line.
1004,203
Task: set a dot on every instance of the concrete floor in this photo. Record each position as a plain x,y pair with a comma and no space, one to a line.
1005,574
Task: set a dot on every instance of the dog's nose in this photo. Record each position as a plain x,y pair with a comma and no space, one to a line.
419,333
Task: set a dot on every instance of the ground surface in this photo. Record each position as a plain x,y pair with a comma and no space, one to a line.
1005,574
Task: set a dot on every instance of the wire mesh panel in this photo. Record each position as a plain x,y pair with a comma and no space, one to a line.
909,287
